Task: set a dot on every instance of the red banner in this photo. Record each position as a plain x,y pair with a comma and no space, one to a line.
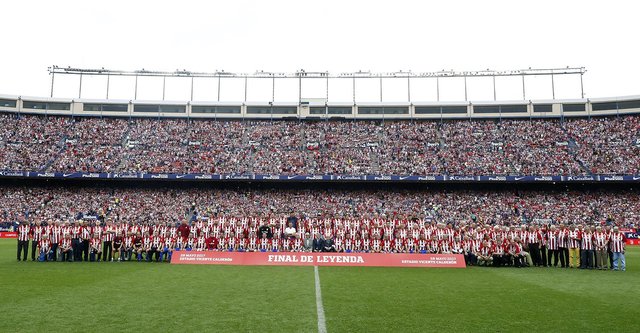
318,259
633,241
8,234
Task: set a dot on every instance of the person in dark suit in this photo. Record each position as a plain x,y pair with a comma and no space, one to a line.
329,245
318,243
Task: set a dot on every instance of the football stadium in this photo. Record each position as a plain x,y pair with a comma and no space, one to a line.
311,201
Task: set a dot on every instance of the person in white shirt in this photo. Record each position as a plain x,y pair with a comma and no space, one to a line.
290,230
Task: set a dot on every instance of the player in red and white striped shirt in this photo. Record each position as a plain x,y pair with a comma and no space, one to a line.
85,237
423,244
252,245
129,245
24,232
398,244
274,244
95,245
485,257
241,242
574,237
169,247
263,243
54,230
157,246
618,248
376,245
586,248
468,249
552,246
44,248
445,246
411,244
363,244
515,253
601,240
37,231
66,250
498,252
108,233
563,245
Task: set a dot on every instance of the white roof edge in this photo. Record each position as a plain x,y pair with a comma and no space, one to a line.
505,102
9,96
374,104
103,101
268,104
350,104
615,99
443,103
46,99
216,103
558,101
314,103
150,102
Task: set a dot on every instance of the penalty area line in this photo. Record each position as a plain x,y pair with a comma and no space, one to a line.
322,326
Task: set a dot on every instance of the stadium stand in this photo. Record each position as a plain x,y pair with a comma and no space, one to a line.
491,227
164,205
453,147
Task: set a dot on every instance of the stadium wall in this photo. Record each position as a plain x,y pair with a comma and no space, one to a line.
314,110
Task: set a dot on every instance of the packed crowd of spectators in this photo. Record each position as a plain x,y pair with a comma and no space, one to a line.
539,147
607,146
411,148
92,145
30,143
474,148
497,207
454,147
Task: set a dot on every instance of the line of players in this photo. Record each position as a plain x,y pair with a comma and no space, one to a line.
546,245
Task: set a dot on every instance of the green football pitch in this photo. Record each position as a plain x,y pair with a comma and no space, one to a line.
128,297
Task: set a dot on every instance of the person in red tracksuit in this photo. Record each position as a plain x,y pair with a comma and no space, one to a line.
211,243
184,230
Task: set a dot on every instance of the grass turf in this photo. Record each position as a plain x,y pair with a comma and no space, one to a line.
109,297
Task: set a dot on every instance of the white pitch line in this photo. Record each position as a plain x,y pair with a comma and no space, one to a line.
322,326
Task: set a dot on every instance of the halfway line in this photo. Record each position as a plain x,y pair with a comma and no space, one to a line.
322,326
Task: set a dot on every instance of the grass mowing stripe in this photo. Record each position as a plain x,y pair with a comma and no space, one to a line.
108,297
322,326
481,299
